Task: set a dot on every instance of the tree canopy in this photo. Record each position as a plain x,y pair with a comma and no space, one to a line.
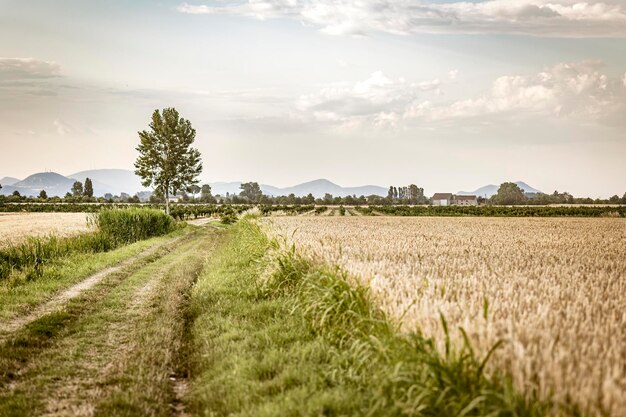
251,191
88,191
166,159
509,193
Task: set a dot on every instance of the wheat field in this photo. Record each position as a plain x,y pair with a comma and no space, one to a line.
554,290
16,227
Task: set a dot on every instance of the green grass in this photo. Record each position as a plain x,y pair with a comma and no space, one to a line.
302,342
19,293
113,349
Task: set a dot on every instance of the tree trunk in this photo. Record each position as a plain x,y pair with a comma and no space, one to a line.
167,200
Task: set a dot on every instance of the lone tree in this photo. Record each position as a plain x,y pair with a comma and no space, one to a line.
77,189
509,193
250,191
166,159
43,195
88,192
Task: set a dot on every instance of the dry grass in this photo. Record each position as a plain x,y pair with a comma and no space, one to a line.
553,289
16,227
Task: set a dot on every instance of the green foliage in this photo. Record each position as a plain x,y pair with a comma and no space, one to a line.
130,225
88,191
166,158
251,191
509,193
228,218
77,189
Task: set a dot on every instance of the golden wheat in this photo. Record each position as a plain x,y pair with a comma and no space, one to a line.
16,227
553,289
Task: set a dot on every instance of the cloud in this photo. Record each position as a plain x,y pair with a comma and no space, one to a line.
566,90
378,98
27,69
575,91
550,18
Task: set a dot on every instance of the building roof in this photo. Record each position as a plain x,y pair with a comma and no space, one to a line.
465,197
442,196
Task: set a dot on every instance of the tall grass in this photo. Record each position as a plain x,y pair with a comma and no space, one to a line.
115,228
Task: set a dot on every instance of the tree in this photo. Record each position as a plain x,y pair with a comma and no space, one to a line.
509,193
205,194
77,189
43,195
251,191
16,194
166,158
88,191
194,189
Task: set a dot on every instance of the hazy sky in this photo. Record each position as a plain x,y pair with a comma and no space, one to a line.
448,95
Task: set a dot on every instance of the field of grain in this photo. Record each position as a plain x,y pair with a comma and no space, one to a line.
15,227
553,289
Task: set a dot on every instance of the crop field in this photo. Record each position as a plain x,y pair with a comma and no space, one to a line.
15,227
552,290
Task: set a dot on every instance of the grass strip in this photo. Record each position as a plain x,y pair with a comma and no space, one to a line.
19,294
112,349
275,334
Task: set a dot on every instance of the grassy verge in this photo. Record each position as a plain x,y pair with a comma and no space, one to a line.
300,341
114,349
19,293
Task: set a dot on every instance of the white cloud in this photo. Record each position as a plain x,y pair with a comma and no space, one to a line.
27,68
559,18
378,99
576,91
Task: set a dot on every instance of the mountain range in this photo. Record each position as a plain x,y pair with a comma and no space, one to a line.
117,181
491,189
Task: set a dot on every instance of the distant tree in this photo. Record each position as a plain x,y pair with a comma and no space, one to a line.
390,192
328,198
43,195
509,193
614,199
108,196
16,194
623,199
251,191
309,199
77,189
194,189
166,158
68,195
88,191
0,186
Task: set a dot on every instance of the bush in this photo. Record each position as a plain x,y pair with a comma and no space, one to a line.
132,224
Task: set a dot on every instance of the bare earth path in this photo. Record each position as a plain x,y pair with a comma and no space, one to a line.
72,292
121,345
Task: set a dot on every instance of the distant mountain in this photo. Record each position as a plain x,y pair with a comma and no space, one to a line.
489,190
54,184
317,187
114,181
8,181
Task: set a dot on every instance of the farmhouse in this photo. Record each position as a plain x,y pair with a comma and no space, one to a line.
449,199
442,199
465,200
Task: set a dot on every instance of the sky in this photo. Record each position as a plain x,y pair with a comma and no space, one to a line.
448,95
